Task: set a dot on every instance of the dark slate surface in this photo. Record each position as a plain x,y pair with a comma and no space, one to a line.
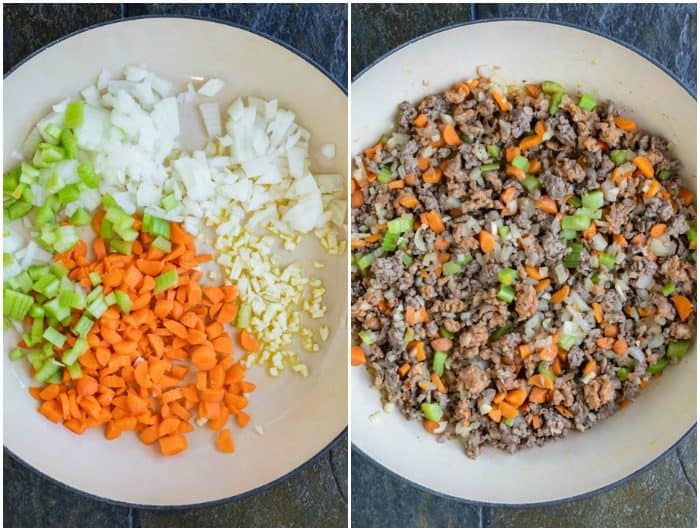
317,495
665,495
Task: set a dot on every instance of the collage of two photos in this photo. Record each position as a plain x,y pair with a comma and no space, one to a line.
349,265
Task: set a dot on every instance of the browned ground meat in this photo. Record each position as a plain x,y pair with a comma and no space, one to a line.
564,344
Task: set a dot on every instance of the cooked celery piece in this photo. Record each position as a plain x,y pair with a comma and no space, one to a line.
566,342
607,260
503,231
18,209
677,349
245,312
15,304
451,268
507,276
506,293
431,411
16,354
554,102
384,175
546,370
577,222
493,151
490,167
618,156
587,102
668,289
166,280
367,337
622,373
664,175
593,200
390,241
365,261
120,246
444,332
439,359
56,312
87,174
552,87
400,225
531,183
573,259
22,282
520,162
73,117
658,367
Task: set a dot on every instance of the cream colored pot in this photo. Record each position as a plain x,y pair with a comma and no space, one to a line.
300,416
666,410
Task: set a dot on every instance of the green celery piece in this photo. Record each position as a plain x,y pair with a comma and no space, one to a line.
451,268
110,299
566,342
66,238
16,354
106,230
36,311
365,261
506,293
668,289
587,102
83,326
493,151
367,337
531,183
166,280
10,179
520,162
69,143
55,311
156,226
677,349
94,294
52,133
21,282
18,209
73,117
169,202
36,359
577,222
384,175
80,217
120,246
75,371
123,301
400,225
607,260
444,332
552,87
48,369
36,272
490,167
439,359
97,308
87,174
95,278
501,331
162,244
658,367
554,102
16,304
390,241
72,299
618,157
79,348
431,411
622,373
37,331
54,337
59,270
503,231
593,200
664,175
507,276
69,193
44,216
546,370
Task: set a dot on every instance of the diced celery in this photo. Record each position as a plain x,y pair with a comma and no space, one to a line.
48,370
431,411
94,294
552,87
95,278
56,312
367,337
490,167
16,354
520,162
593,200
162,244
618,157
677,349
439,359
451,268
54,337
16,304
668,288
72,299
97,308
120,246
71,355
566,342
507,276
622,373
531,183
106,230
36,272
554,102
607,260
48,286
444,332
123,301
66,238
390,241
73,117
384,175
80,217
10,179
658,367
156,226
22,282
587,102
169,202
44,216
69,143
365,261
400,225
493,151
87,174
506,293
18,209
83,326
75,371
166,280
110,299
36,311
503,231
577,222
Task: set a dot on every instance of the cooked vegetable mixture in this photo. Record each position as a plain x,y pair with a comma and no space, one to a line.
523,263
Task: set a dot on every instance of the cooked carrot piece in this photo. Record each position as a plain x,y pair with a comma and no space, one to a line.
172,444
224,442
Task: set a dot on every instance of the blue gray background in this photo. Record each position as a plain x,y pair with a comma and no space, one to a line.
316,496
666,494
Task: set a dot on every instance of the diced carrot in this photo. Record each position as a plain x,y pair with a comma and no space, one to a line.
248,342
683,306
546,204
450,136
486,241
625,124
173,444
